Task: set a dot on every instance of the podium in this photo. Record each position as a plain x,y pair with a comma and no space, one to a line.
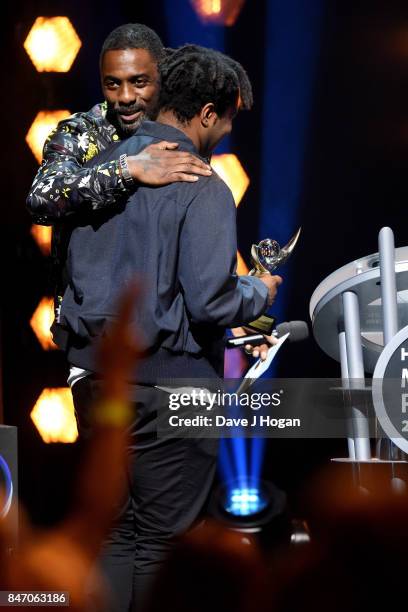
359,316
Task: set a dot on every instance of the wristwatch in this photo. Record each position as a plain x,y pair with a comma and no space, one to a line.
124,171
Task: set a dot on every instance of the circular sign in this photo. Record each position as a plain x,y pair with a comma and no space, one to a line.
390,389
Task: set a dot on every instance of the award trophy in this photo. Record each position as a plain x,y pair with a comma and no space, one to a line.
268,255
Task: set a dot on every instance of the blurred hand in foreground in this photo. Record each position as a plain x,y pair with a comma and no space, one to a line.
63,558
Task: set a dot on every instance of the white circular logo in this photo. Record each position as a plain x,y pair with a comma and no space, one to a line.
390,389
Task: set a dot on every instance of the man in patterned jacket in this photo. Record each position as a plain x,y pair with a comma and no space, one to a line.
63,187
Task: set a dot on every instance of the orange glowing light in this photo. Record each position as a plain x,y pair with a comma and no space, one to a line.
52,44
42,125
54,416
224,12
41,322
242,268
42,235
211,7
229,168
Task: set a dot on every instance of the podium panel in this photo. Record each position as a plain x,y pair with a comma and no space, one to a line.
359,315
361,277
9,477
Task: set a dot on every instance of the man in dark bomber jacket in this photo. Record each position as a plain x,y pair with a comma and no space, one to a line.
181,239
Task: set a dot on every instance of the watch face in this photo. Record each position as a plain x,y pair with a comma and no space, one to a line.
264,324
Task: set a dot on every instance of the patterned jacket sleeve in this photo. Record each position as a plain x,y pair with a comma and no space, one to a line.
62,185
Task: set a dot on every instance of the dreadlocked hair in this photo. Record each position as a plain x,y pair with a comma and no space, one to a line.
193,76
245,87
134,36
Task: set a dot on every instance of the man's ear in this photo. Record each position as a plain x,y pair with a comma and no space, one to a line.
208,116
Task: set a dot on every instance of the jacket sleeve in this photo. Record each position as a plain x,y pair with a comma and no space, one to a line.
63,185
212,290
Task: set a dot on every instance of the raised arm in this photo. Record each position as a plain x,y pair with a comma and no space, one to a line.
68,181
62,184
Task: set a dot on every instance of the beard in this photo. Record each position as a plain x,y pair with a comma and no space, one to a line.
127,128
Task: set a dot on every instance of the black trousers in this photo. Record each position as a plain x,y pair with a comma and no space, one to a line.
167,485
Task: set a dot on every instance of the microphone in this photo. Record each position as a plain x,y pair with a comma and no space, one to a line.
297,330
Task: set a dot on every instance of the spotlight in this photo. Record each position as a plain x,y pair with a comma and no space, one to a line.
229,168
222,12
244,501
41,322
42,235
52,44
40,129
54,416
257,508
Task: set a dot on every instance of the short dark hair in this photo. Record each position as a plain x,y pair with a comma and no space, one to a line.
192,76
133,36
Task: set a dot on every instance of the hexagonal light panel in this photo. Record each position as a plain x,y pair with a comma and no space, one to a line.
52,44
41,322
42,125
223,12
232,173
42,234
54,416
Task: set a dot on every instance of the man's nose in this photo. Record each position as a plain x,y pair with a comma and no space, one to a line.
127,94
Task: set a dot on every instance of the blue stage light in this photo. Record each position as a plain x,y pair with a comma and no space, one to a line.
243,498
257,511
244,501
252,508
240,462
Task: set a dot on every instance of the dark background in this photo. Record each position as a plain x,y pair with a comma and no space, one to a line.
325,147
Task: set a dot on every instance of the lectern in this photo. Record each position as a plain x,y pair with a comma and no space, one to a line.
359,315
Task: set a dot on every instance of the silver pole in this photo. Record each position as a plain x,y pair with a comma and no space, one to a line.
389,302
345,377
386,248
355,365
